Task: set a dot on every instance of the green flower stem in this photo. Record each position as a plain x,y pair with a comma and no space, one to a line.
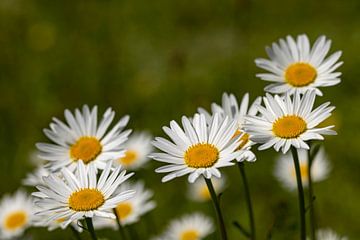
311,198
75,233
241,166
217,209
90,227
300,194
120,226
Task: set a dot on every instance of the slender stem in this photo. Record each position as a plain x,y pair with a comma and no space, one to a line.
217,209
75,233
311,199
90,227
241,166
120,226
300,194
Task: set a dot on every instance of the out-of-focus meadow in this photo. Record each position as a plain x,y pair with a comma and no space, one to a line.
160,60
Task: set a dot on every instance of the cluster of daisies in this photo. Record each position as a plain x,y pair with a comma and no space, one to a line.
85,177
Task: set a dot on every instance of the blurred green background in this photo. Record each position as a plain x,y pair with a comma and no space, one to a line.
160,60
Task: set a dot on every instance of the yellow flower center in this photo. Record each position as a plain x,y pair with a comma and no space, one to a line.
204,193
85,149
60,220
190,235
303,171
201,155
86,199
16,220
123,210
129,158
290,126
300,74
244,139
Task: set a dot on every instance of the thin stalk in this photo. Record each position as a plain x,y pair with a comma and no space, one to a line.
217,209
241,166
75,233
90,227
120,226
311,199
300,194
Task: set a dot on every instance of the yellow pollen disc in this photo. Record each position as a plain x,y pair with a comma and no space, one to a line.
290,126
303,171
129,158
190,235
85,149
204,193
300,74
123,210
60,220
16,220
201,155
86,199
244,139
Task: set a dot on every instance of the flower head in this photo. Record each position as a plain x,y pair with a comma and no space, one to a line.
289,121
194,226
137,148
285,172
328,234
131,210
231,109
199,149
80,195
16,214
83,139
199,192
295,65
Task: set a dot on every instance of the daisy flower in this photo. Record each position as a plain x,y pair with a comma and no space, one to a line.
285,171
199,149
137,148
231,108
328,234
295,65
82,138
131,210
289,121
80,195
16,214
193,226
199,192
36,177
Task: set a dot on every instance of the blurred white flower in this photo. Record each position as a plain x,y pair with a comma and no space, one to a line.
193,226
129,211
328,234
199,192
285,172
16,214
137,148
